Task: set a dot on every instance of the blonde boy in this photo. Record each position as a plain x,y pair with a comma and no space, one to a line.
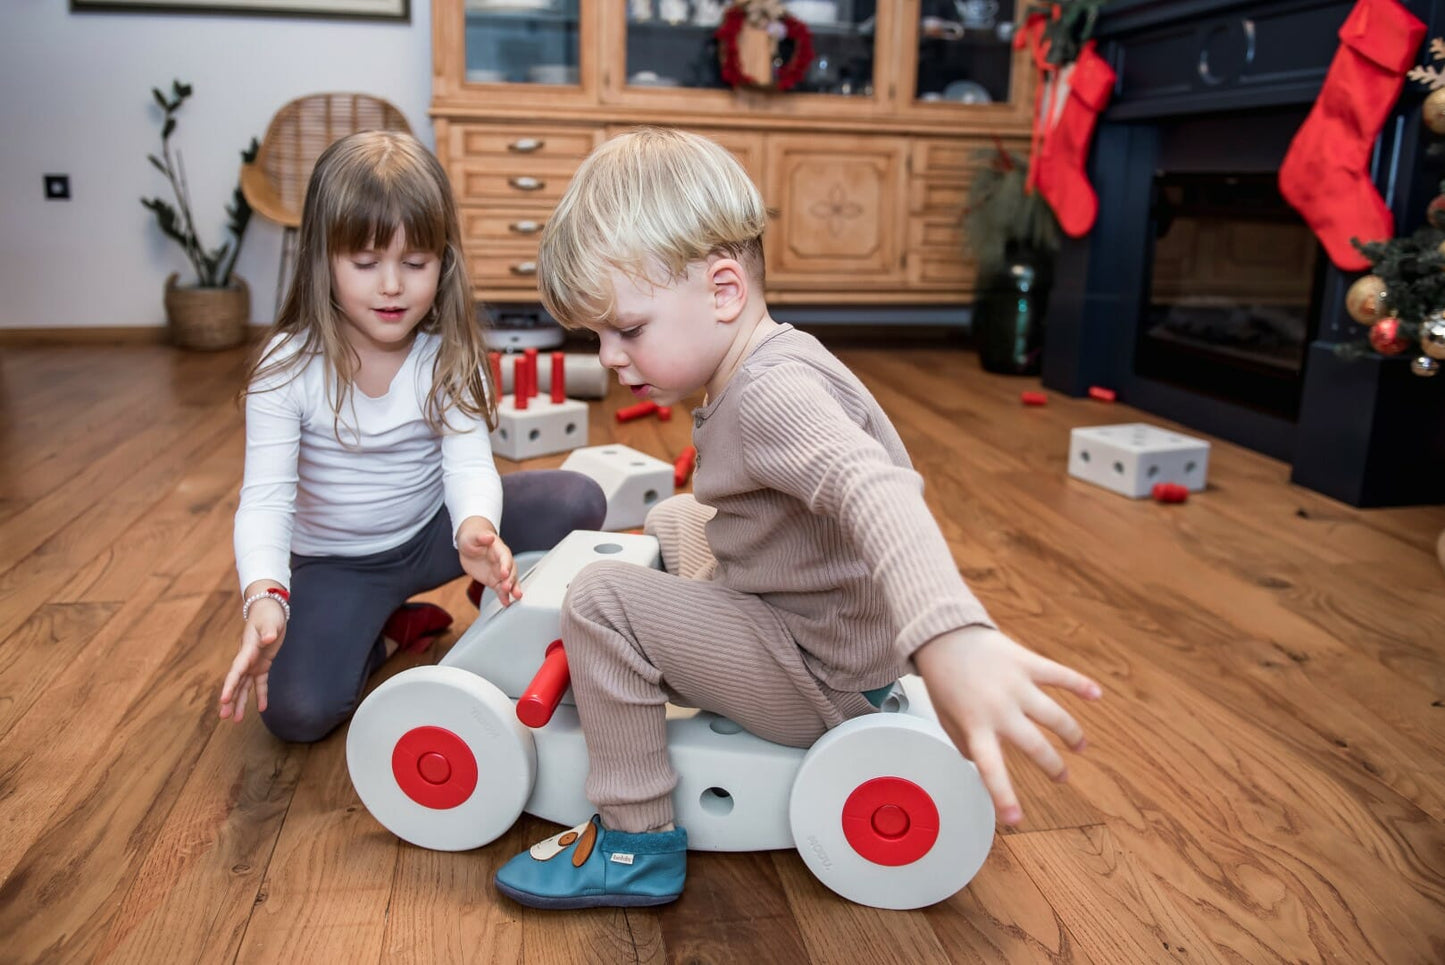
805,573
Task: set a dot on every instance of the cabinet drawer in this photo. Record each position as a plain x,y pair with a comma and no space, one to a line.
937,269
930,194
530,179
522,141
946,158
487,226
943,233
958,158
504,266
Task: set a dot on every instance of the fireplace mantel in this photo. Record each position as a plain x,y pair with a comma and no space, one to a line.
1368,432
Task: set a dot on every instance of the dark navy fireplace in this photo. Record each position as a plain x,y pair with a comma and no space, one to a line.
1201,295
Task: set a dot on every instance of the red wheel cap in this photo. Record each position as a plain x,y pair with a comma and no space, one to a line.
434,767
890,821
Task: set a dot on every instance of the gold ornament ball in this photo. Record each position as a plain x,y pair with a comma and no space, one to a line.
1425,366
1434,110
1367,299
1432,335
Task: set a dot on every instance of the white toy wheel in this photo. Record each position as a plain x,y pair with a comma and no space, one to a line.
887,813
438,756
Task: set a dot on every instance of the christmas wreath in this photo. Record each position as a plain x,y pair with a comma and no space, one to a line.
783,26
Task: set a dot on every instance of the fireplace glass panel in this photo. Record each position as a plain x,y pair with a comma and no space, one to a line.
1233,292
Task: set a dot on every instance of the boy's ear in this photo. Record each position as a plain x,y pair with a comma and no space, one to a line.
729,283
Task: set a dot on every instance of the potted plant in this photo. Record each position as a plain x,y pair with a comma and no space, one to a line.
1014,236
215,312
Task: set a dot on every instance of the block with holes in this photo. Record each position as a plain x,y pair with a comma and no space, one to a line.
633,481
1130,458
540,428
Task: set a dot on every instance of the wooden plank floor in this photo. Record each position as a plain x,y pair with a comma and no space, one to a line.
1265,779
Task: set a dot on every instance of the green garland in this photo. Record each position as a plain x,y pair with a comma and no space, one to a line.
1074,25
998,214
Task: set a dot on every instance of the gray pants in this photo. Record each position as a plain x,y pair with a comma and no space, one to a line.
340,604
638,638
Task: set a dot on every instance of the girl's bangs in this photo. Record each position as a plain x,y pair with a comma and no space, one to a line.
375,213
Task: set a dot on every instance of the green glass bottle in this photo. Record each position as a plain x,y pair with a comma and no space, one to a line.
1008,318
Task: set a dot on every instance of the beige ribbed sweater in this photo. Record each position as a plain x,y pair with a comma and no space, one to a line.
820,513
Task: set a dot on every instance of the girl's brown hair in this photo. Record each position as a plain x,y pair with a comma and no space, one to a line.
364,189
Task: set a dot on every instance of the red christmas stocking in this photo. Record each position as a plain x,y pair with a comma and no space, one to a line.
1325,173
1081,92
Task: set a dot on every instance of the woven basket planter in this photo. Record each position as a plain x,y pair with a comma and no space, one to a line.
208,318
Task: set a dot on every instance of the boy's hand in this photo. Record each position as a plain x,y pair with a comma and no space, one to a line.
986,687
260,640
487,559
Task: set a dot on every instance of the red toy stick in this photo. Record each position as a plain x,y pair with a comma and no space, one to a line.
538,702
520,394
1033,398
559,377
1167,492
1101,393
628,413
664,413
531,356
682,466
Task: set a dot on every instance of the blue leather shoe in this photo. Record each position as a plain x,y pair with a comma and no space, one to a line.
588,866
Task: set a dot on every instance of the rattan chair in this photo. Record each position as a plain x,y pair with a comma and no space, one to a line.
275,183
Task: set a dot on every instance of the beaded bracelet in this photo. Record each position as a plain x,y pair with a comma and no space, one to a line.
274,593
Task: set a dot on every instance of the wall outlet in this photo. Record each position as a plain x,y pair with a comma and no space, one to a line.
57,187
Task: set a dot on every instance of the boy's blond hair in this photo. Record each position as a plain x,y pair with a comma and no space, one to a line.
647,203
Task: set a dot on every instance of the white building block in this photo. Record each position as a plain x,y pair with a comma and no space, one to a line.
633,481
1131,458
584,376
542,428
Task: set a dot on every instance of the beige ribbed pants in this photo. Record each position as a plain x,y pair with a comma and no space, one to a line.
638,638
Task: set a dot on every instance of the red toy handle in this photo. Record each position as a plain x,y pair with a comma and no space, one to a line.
538,702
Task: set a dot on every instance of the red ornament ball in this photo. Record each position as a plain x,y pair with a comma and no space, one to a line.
1435,211
1385,337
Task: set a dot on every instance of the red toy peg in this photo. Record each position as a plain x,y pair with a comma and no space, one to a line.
538,702
1033,398
559,377
520,394
664,413
682,466
1167,492
531,356
628,413
1101,393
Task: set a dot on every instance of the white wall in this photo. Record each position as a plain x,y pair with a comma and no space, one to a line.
77,101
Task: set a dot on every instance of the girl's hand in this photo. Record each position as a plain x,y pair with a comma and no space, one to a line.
487,559
260,640
985,687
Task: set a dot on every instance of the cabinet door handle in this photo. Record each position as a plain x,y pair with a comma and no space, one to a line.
527,184
526,145
526,227
524,268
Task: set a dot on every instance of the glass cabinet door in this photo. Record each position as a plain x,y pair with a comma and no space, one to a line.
523,42
965,51
671,43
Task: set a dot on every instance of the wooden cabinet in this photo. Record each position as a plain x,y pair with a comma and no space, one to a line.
864,166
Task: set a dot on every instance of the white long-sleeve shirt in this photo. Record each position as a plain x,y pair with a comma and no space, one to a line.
308,492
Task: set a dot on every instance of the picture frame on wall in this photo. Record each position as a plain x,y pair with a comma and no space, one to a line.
347,9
